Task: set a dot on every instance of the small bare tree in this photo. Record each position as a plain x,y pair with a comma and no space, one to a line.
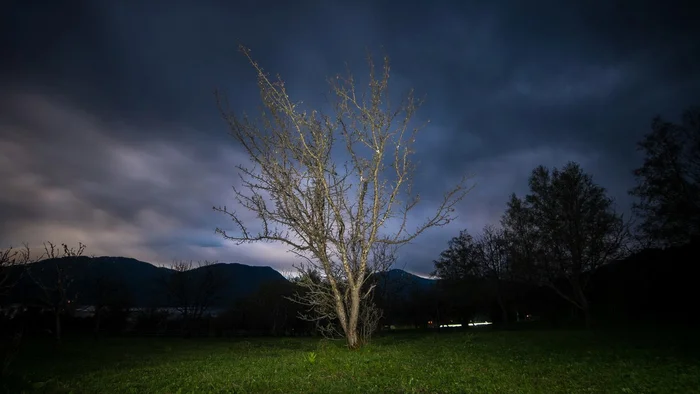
328,214
494,261
11,262
10,259
54,280
193,288
111,298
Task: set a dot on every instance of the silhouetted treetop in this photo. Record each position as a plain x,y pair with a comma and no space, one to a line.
565,228
668,182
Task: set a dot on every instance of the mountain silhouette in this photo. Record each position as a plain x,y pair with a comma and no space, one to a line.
140,284
402,284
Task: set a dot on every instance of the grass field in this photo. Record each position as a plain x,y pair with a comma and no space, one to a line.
458,362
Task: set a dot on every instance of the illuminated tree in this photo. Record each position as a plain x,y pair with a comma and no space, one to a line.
328,213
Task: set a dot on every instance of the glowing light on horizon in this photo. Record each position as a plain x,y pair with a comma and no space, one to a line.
483,323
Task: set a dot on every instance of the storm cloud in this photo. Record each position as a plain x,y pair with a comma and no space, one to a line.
110,134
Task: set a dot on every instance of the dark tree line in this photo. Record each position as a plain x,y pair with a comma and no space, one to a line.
56,296
566,228
193,288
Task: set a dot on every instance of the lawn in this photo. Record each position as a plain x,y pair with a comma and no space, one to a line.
458,362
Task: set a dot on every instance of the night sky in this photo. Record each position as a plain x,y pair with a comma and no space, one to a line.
110,135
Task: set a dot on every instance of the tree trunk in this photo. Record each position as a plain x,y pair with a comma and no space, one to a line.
274,321
583,305
504,310
351,332
98,316
587,316
57,323
501,302
186,326
437,317
352,337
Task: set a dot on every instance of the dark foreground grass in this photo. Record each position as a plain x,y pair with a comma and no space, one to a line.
460,362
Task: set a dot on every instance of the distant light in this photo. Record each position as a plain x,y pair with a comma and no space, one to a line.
451,325
483,323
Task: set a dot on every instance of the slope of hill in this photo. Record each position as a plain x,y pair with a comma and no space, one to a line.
139,283
401,283
239,280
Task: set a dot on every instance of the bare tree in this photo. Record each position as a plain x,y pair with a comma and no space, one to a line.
54,280
103,286
331,215
10,259
469,262
565,229
494,263
193,289
111,299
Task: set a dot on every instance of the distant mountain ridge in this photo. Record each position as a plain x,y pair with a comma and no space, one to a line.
143,283
402,283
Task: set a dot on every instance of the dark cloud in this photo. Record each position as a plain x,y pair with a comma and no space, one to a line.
109,132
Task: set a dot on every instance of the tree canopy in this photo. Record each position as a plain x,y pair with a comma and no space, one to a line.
668,182
563,230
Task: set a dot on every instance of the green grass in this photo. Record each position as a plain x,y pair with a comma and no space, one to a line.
460,362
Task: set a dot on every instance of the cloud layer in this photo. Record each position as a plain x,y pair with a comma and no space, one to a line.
109,132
